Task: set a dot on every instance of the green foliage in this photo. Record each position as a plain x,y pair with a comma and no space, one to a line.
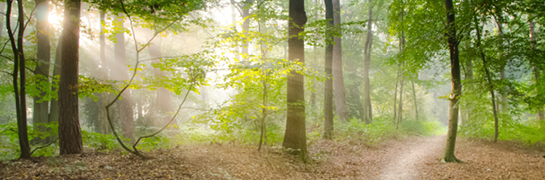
425,128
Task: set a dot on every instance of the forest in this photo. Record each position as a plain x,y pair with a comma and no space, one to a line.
272,89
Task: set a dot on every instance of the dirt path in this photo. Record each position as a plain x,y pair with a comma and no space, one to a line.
411,157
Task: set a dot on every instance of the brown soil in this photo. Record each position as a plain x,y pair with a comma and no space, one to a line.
408,158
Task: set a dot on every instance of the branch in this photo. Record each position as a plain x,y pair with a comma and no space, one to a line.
134,150
41,147
166,125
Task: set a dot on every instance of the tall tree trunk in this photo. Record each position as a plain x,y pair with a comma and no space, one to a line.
295,135
121,74
539,115
455,81
2,9
503,101
468,78
395,96
19,68
102,124
69,127
367,108
400,110
491,86
402,70
41,107
328,88
54,107
338,81
163,96
415,101
247,4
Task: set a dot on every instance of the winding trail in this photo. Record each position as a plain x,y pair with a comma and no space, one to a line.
410,157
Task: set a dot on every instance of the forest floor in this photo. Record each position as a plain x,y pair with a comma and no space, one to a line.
402,158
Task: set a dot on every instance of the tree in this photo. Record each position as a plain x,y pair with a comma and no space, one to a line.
338,81
18,75
41,106
535,66
295,134
367,108
490,85
69,128
328,89
453,42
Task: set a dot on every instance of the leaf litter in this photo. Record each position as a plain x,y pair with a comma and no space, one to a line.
401,158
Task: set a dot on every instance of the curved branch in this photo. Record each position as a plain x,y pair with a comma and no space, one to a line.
41,147
135,71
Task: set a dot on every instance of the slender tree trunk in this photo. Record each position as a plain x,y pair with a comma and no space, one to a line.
2,10
415,101
395,96
503,101
539,115
402,70
456,83
468,78
328,88
247,4
41,107
19,68
102,124
491,86
338,81
264,115
54,107
295,135
367,108
400,110
69,127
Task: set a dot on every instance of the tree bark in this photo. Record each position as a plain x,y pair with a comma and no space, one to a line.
69,127
338,81
328,88
295,134
539,114
455,81
41,107
367,108
121,74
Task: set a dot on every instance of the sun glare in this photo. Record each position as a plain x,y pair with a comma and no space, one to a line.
55,19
